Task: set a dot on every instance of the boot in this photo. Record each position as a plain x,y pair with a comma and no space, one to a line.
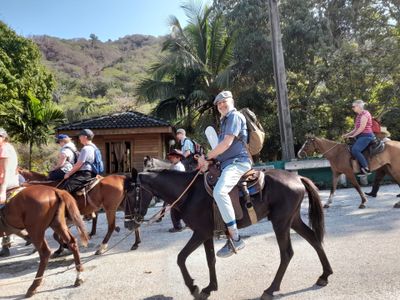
5,251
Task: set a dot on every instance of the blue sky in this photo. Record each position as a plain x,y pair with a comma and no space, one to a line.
108,19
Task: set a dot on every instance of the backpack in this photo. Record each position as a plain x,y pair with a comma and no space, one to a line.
256,133
76,154
198,149
97,165
376,126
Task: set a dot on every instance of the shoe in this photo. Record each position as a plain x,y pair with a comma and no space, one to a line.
5,252
371,194
365,171
398,195
227,250
173,229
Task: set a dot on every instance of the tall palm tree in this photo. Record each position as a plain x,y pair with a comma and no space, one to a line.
30,121
196,66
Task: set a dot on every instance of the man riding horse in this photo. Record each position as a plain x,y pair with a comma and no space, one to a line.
235,161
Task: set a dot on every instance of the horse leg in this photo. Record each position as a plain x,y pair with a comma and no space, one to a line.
111,226
66,237
282,233
335,177
396,177
309,235
94,225
379,174
354,182
44,254
195,241
137,239
210,254
61,247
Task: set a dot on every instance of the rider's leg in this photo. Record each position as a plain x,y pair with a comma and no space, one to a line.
56,175
361,143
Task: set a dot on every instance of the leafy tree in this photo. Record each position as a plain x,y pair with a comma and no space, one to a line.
30,121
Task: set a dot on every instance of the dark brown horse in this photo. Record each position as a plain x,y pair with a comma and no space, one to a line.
340,159
35,209
108,194
281,201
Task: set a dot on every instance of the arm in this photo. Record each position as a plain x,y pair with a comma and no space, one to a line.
61,161
221,147
3,185
359,130
74,169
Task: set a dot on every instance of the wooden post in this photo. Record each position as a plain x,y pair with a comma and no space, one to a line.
285,123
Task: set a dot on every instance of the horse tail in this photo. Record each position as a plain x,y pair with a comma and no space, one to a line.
74,214
315,210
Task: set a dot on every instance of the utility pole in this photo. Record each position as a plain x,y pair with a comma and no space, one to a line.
285,123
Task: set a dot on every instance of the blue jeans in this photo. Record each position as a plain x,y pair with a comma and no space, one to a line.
230,176
359,146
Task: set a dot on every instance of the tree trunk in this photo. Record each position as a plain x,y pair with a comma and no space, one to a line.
30,156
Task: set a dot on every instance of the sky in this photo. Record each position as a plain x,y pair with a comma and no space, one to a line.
108,19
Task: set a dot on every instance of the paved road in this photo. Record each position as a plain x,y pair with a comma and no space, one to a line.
363,247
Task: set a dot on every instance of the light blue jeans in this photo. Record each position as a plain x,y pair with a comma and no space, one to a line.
230,176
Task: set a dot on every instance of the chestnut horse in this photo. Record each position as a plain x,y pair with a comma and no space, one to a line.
280,202
35,209
108,194
339,157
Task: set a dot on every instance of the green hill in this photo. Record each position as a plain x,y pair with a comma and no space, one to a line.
95,77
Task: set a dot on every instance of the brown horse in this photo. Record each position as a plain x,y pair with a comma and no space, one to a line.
339,157
35,209
108,194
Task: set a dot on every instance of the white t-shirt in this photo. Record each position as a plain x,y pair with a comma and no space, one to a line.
68,150
87,156
8,151
178,167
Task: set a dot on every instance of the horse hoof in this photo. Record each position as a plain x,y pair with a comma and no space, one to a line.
99,252
117,229
326,206
30,293
78,282
202,296
134,247
196,292
266,296
397,205
362,205
322,282
56,254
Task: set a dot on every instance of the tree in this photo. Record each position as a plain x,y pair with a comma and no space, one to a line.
30,121
196,66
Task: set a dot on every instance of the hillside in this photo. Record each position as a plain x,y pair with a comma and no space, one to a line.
95,77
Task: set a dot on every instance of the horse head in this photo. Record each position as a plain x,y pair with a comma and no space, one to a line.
308,147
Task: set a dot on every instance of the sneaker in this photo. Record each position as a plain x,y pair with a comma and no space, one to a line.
365,171
227,250
173,229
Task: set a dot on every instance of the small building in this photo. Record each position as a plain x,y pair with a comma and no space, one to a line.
125,138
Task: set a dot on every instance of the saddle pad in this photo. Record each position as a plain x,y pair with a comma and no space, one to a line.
11,193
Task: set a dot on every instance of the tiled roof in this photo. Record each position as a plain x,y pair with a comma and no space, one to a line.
129,119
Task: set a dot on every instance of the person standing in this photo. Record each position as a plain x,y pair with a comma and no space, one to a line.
187,148
175,158
8,179
66,158
235,160
83,170
362,133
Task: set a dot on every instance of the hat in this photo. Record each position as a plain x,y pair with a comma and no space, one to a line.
181,130
86,132
174,152
62,136
221,96
3,132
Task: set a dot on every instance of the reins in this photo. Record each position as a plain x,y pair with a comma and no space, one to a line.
163,211
330,149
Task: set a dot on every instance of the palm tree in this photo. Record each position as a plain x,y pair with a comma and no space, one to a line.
196,66
30,121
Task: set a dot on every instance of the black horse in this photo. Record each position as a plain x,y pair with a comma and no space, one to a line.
281,201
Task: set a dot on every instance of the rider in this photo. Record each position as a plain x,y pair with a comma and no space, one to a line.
363,134
235,161
82,171
175,158
66,158
187,147
8,178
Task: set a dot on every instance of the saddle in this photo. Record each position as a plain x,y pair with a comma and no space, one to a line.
375,147
251,183
83,192
11,193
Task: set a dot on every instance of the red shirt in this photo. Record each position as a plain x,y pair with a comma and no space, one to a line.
368,126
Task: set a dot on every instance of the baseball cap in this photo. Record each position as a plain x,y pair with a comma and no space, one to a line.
86,132
3,132
181,130
221,96
62,136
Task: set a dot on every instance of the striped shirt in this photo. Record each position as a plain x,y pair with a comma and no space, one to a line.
368,126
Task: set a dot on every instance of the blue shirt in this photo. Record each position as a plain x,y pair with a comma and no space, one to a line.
234,123
187,144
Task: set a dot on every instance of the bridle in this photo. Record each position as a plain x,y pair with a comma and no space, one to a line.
134,213
313,143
